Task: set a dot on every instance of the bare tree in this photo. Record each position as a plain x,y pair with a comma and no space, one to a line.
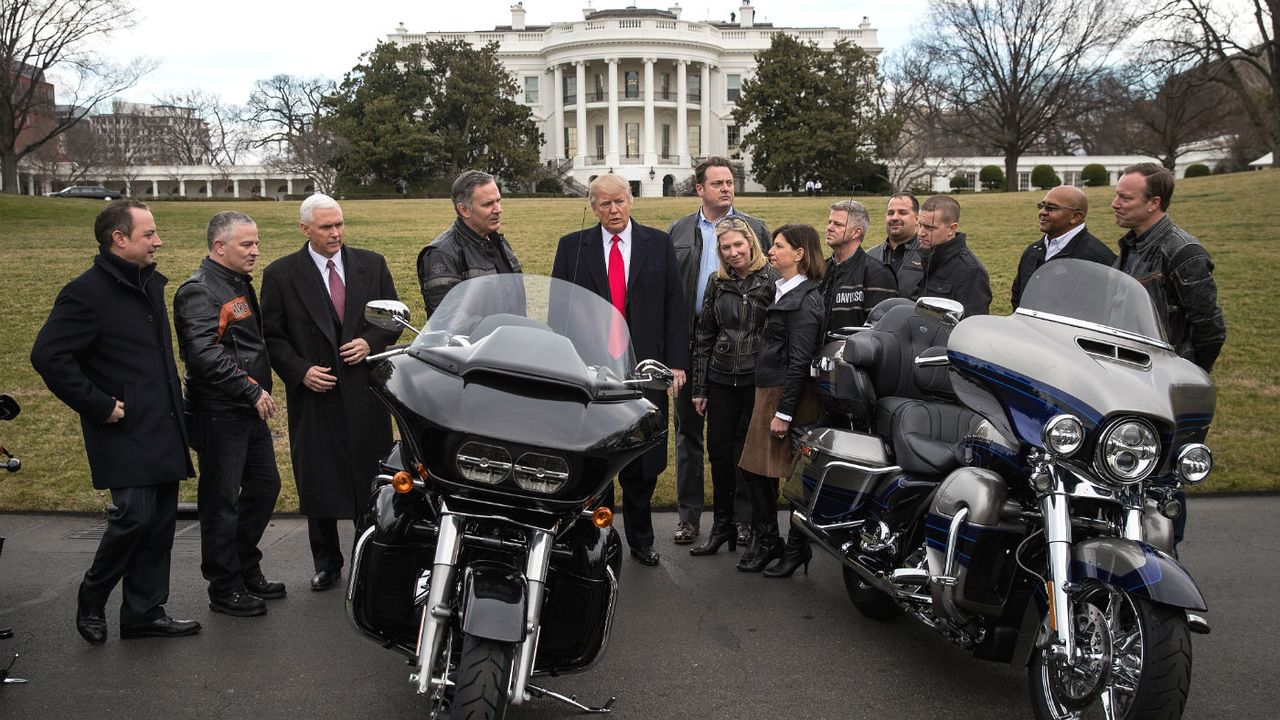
287,113
906,118
43,38
1172,108
201,129
1242,56
1012,70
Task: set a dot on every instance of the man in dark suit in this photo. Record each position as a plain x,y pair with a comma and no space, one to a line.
313,318
1062,214
107,353
634,267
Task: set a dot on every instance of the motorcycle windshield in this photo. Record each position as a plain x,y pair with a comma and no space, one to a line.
515,322
1093,296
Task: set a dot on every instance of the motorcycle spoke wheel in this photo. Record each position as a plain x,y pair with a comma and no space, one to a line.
1134,660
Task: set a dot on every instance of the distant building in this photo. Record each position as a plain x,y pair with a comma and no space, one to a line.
1067,167
638,92
141,134
41,118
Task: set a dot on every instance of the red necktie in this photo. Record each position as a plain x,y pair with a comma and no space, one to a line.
337,291
618,295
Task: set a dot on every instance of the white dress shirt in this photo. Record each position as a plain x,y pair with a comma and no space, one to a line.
322,263
624,246
1055,246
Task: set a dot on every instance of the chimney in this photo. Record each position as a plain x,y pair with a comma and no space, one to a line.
586,11
866,23
746,15
674,10
517,16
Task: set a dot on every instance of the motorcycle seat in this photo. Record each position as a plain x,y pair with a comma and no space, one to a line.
925,435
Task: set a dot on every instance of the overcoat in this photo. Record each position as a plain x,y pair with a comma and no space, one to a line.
1083,246
107,338
336,438
656,311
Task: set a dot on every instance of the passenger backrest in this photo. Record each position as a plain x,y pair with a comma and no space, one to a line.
888,352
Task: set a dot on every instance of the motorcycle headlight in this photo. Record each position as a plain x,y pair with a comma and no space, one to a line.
483,463
541,473
1063,434
1194,463
1128,450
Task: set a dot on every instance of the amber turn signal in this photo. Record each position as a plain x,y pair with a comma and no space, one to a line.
602,517
402,482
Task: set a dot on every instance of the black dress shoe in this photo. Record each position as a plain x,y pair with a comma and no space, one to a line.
238,603
325,579
91,621
645,555
6,633
163,626
264,588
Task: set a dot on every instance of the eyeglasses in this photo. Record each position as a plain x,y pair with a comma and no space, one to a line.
1055,208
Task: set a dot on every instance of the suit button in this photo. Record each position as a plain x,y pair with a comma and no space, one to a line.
172,415
150,319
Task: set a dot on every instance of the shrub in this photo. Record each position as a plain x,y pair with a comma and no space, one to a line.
1094,175
1043,177
991,177
960,181
1198,170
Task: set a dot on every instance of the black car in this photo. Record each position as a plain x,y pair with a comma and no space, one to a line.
96,192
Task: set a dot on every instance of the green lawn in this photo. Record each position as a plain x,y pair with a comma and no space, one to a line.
46,241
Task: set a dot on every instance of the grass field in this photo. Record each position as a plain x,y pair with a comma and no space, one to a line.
44,242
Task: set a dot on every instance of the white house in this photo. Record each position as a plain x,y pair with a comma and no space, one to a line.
638,92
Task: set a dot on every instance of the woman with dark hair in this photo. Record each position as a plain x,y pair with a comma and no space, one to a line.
793,329
726,345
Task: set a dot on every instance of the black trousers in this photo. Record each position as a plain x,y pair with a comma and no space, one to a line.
637,499
728,415
326,546
239,484
136,547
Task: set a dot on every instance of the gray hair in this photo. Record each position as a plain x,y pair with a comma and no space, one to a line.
319,201
609,183
465,186
857,213
221,225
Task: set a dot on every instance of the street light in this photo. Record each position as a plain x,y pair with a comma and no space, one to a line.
652,173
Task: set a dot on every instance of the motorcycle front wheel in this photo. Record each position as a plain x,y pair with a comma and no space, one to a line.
482,680
1135,661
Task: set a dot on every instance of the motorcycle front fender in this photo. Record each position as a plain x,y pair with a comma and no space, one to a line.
1136,568
493,603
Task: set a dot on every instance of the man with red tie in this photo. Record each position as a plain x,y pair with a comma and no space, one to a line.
313,319
634,267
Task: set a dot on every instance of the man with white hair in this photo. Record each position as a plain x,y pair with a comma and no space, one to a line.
313,319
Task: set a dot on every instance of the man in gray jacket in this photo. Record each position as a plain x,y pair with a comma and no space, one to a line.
696,253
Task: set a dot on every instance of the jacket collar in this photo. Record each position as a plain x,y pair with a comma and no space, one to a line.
795,295
126,272
945,252
223,271
1141,242
465,231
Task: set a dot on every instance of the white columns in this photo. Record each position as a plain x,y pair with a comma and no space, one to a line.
288,186
650,151
612,157
155,188
580,89
235,188
182,187
208,188
704,144
557,113
262,187
682,112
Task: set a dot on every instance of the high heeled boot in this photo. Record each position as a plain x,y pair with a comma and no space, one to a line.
766,545
722,528
796,553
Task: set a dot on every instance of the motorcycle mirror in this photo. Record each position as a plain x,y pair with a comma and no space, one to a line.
9,408
652,375
944,310
388,314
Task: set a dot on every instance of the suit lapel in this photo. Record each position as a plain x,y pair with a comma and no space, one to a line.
357,292
315,296
641,247
592,250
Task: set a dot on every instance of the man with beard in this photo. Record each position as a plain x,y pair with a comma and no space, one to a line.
900,223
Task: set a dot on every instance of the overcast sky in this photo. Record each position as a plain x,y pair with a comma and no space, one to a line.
223,47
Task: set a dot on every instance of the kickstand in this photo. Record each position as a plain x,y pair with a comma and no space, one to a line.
571,701
4,674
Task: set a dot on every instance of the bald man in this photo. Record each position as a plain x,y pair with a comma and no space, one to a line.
1062,214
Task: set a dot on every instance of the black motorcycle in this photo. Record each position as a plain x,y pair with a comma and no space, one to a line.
1010,481
484,555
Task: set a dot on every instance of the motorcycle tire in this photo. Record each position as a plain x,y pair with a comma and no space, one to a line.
482,680
871,602
1149,647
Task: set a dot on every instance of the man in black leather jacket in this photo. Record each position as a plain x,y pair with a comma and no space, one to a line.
853,281
901,219
943,265
473,246
694,238
1170,263
228,393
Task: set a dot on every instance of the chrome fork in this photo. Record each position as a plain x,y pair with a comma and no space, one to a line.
535,573
435,612
1056,510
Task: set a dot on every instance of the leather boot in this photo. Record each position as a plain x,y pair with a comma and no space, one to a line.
796,553
765,545
722,527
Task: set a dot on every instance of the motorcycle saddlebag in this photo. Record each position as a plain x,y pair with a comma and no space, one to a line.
835,472
984,562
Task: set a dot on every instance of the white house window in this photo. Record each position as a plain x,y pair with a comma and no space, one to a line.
633,140
570,90
666,142
632,84
570,141
695,140
531,89
695,88
735,137
733,87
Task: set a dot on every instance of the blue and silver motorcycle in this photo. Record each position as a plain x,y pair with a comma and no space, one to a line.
1012,481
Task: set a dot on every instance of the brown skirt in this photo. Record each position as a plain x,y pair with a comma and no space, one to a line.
762,453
